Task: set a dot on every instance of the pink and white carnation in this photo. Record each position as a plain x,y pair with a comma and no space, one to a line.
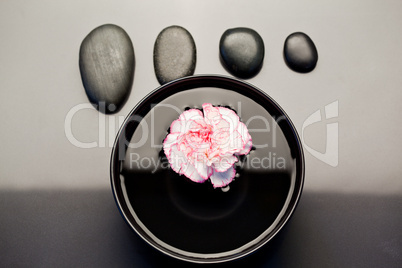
205,145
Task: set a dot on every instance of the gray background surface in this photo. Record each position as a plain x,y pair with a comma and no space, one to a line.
56,204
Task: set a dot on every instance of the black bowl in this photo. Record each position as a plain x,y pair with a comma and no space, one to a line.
195,222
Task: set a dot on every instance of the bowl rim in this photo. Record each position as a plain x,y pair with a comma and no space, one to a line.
213,258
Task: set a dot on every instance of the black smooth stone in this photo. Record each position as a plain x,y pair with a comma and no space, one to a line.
107,67
300,53
175,54
242,52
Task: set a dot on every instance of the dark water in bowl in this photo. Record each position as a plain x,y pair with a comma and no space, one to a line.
196,217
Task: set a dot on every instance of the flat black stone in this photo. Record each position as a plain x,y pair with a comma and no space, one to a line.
175,54
300,53
107,67
242,52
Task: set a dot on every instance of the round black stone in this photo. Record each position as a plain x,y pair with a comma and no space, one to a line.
242,52
107,64
175,54
300,53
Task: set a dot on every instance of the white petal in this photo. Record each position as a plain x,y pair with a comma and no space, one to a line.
247,147
178,126
193,114
170,140
242,129
236,142
202,169
224,163
230,116
221,179
176,159
190,172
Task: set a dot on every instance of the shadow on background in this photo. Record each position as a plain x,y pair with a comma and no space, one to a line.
84,228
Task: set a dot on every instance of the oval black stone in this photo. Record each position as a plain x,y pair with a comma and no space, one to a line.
300,53
175,54
107,67
242,52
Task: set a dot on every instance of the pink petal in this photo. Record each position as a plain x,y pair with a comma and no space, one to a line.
195,124
214,118
221,179
221,138
210,112
190,172
224,163
182,126
220,124
230,116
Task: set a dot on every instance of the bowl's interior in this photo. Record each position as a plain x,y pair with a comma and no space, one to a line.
196,222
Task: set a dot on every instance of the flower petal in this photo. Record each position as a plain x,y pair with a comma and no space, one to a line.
192,114
230,116
247,147
224,163
202,169
221,179
191,172
236,142
183,126
195,125
178,126
176,159
210,112
170,140
242,129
